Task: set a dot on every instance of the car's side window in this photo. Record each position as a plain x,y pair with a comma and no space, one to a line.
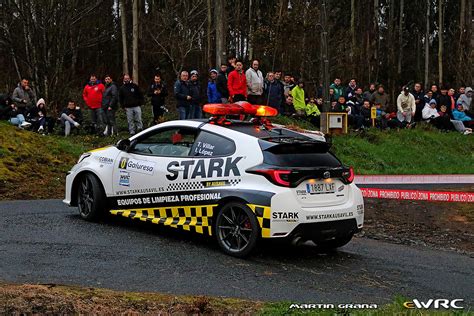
209,144
174,142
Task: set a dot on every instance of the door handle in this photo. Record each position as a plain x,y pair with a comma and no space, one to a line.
176,168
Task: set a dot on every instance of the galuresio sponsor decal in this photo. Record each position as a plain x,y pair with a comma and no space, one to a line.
136,165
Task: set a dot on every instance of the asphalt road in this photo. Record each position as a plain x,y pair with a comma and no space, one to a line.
46,242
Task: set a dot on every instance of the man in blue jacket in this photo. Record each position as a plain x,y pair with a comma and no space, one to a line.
213,94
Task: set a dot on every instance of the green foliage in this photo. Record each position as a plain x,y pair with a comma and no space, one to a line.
416,151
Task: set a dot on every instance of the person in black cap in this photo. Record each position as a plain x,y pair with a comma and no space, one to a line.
406,107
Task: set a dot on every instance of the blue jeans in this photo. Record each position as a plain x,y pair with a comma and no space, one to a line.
18,120
134,118
183,112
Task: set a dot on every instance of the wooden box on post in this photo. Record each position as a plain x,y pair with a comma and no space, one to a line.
334,123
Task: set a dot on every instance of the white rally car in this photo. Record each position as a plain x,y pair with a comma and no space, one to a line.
235,180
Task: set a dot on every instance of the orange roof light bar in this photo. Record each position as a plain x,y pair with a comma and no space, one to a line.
241,107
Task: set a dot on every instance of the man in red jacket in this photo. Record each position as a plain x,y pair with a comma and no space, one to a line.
92,96
237,83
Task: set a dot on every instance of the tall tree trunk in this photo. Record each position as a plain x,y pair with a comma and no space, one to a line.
391,48
376,39
462,40
427,43
353,37
123,24
220,22
325,57
469,43
418,55
250,37
400,40
135,41
209,39
440,40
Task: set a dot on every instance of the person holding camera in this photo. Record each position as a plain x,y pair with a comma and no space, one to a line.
158,93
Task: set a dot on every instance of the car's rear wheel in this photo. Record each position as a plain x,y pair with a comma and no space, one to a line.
328,245
236,229
90,198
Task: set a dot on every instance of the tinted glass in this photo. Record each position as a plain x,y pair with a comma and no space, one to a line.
170,142
300,155
208,144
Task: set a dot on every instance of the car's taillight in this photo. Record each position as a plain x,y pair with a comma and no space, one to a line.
278,177
348,176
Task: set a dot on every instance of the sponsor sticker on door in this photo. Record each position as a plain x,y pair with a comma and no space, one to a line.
135,165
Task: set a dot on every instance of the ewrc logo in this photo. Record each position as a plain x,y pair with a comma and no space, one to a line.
140,166
435,303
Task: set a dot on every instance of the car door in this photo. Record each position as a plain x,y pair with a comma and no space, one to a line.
144,168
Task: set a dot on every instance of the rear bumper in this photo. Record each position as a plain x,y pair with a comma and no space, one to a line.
326,230
288,218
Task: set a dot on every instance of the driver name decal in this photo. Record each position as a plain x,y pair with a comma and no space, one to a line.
135,165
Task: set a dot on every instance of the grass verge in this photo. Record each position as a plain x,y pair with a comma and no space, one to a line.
58,299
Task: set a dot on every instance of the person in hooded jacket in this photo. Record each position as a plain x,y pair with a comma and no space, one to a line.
158,93
459,114
430,113
38,118
213,94
110,106
466,101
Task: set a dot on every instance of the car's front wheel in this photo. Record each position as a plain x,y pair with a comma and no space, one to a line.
90,197
236,229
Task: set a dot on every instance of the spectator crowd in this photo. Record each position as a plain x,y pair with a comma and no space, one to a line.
443,107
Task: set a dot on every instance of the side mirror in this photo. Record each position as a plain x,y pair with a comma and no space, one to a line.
124,145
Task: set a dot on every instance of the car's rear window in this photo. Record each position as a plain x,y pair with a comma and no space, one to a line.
300,155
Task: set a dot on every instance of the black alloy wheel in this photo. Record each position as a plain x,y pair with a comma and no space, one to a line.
236,229
90,198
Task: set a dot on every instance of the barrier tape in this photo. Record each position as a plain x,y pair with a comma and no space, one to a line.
433,196
415,179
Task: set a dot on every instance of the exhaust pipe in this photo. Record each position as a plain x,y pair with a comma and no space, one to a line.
297,241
